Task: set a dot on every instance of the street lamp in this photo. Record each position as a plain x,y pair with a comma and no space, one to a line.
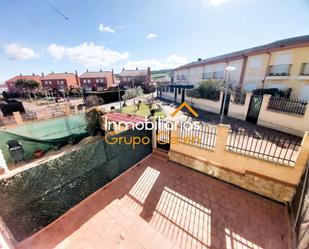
228,71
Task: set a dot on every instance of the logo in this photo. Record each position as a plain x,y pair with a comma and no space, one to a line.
184,104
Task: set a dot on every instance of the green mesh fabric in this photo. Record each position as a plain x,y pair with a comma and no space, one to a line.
29,201
44,135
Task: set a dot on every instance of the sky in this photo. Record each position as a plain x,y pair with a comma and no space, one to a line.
67,35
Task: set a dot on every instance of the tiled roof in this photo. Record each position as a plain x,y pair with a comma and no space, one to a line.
259,49
100,74
131,73
56,76
27,77
122,117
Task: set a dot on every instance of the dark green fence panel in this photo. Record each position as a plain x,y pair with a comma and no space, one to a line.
34,198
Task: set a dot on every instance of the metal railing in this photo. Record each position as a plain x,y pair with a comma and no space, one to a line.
203,136
279,70
292,106
181,77
282,148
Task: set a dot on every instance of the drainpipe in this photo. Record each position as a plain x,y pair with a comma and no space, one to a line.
263,81
243,70
301,198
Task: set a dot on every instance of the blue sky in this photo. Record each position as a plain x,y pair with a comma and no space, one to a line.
129,33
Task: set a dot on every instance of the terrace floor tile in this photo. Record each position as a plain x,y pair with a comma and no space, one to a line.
160,204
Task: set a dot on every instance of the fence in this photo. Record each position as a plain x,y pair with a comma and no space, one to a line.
281,148
265,164
205,136
292,106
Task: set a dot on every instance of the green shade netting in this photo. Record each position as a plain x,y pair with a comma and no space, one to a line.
44,135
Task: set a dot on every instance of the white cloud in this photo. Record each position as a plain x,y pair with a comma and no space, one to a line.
104,28
214,3
87,54
172,61
16,52
151,36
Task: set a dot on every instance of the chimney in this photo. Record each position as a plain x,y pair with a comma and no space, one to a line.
42,74
123,69
20,74
113,79
33,74
199,59
100,70
87,70
77,78
65,72
137,68
52,72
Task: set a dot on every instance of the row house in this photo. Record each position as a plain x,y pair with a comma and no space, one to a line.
60,81
97,81
135,78
10,83
282,64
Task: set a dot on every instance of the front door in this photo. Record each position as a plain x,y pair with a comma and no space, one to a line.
227,103
183,95
254,108
163,135
175,94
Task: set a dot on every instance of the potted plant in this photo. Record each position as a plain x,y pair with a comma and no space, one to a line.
38,153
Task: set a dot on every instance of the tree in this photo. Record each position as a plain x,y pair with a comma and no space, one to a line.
28,85
132,93
94,100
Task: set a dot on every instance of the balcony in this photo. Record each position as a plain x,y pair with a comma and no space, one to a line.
218,75
281,71
207,76
182,77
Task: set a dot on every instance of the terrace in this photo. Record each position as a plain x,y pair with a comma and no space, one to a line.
161,204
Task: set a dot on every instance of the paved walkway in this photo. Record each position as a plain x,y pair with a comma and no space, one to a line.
160,204
214,119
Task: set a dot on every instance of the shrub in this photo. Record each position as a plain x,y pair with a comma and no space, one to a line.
239,95
206,90
275,92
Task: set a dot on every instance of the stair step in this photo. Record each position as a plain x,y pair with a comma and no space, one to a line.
160,154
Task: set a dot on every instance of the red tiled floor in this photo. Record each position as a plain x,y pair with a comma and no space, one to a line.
160,204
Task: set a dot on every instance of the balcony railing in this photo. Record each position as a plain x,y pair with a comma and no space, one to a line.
218,75
181,77
207,76
305,69
279,70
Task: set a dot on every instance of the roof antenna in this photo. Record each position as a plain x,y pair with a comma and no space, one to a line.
59,12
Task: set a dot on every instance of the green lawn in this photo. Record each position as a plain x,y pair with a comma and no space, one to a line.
143,111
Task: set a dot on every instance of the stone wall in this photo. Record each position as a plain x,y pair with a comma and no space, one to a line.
37,196
263,186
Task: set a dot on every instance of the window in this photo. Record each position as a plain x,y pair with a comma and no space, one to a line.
279,86
62,82
89,81
179,90
283,58
50,82
255,63
250,86
84,81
